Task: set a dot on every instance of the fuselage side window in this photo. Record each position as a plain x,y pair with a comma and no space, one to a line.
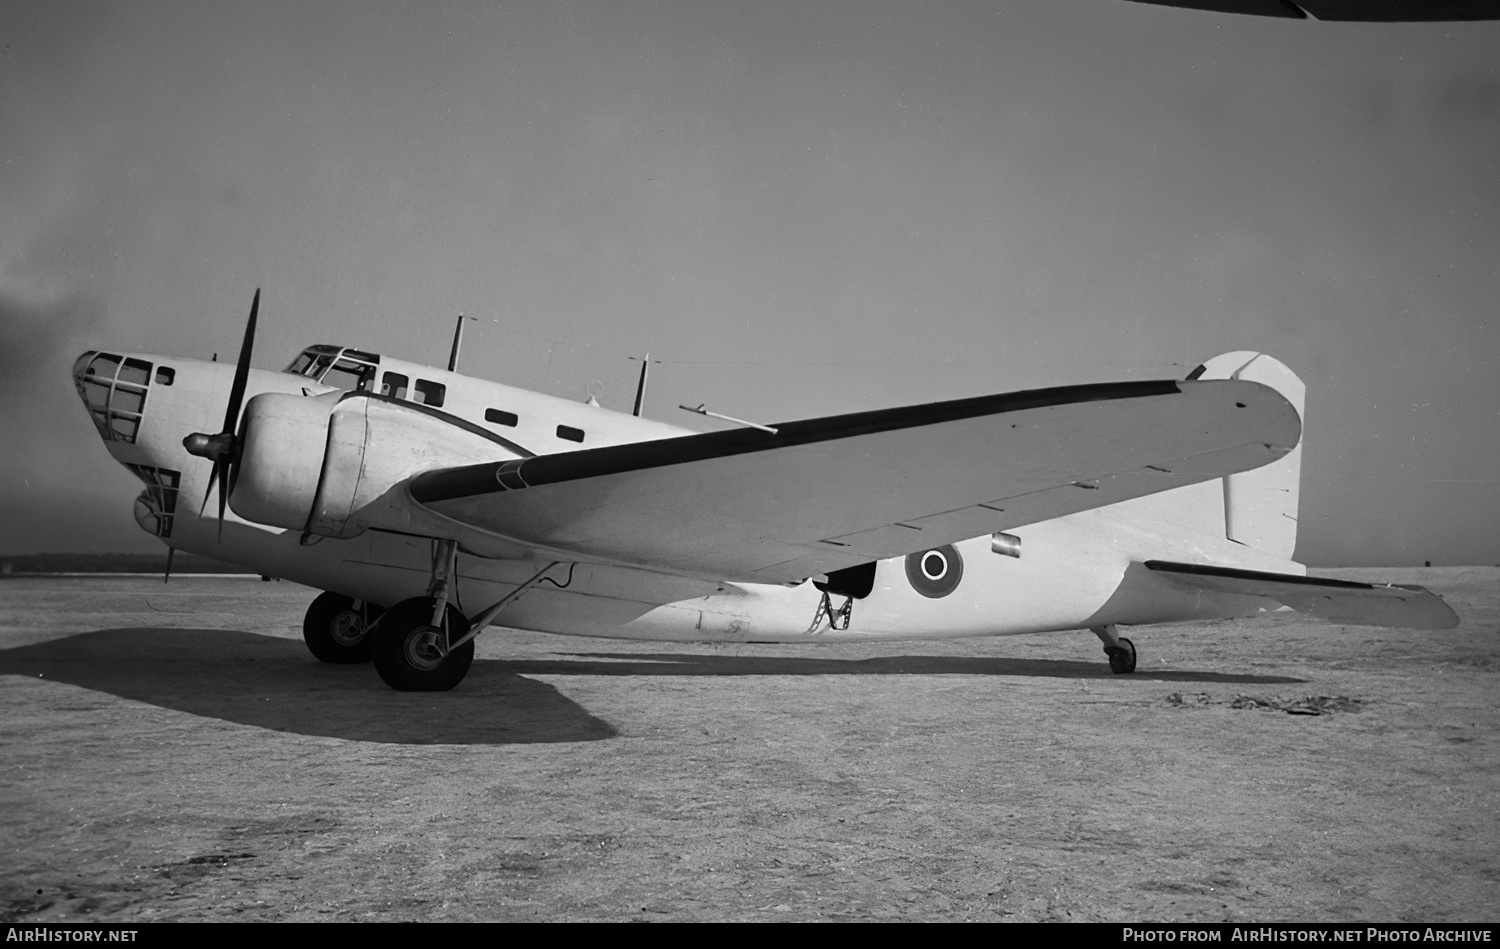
570,433
501,418
430,393
394,385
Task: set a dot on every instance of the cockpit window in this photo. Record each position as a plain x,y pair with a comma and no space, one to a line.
350,376
311,364
347,369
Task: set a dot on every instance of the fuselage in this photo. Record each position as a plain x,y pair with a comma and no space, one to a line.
1072,572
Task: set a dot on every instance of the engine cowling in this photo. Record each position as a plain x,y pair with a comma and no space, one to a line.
320,464
281,461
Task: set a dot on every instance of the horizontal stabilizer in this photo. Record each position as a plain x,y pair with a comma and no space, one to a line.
1339,601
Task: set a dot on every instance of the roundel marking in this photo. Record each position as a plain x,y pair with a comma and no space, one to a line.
935,573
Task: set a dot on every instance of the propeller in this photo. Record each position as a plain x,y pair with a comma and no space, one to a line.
224,448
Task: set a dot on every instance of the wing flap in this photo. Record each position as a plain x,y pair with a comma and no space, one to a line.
1339,601
834,492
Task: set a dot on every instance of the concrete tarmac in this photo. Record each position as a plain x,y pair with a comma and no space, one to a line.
174,753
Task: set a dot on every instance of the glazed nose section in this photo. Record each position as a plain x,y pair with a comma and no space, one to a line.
113,388
93,374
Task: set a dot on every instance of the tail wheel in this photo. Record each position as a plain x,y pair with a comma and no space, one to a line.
335,628
408,650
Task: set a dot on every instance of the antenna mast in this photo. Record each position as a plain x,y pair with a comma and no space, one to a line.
458,338
640,389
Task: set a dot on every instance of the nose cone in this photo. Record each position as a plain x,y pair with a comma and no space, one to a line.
93,389
113,388
82,363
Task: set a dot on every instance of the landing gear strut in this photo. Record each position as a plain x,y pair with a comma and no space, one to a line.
426,644
1121,651
336,628
423,644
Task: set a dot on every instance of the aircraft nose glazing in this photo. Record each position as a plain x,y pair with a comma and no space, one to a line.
114,389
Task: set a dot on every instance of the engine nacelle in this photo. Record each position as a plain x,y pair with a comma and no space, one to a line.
319,464
281,462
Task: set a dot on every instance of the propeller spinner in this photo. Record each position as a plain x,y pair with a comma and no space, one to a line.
224,448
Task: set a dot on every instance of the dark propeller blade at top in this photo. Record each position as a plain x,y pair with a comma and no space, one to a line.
224,448
242,369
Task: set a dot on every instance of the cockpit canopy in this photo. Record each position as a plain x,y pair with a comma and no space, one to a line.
355,371
337,366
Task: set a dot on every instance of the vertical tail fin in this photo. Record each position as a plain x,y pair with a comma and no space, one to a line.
1260,506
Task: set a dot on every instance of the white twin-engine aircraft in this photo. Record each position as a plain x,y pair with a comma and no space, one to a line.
427,503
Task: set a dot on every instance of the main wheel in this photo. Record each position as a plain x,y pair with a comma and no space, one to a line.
335,628
407,649
1122,657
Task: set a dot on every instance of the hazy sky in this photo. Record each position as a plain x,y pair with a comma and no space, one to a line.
802,208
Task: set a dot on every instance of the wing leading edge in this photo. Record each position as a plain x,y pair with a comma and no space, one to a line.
829,493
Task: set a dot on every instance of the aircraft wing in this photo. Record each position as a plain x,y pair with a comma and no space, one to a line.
1366,10
824,494
1340,601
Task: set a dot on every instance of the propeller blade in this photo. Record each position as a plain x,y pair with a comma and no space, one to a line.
241,370
168,575
224,448
223,497
213,475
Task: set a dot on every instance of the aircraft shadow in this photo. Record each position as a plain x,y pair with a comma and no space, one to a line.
274,683
687,664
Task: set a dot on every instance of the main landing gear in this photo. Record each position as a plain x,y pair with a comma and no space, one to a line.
336,628
1121,651
426,644
422,645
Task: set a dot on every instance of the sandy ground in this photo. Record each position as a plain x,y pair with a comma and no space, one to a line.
174,753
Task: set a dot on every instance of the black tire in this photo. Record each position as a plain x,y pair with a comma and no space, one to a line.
334,628
1122,658
402,648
